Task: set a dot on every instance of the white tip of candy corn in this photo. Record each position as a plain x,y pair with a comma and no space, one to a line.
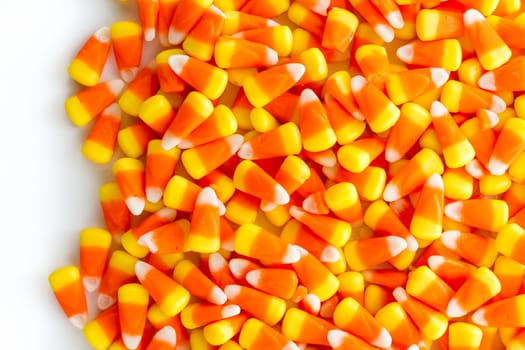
412,244
153,194
406,53
129,74
167,335
207,196
498,104
234,141
169,141
450,239
177,62
395,19
472,16
478,317
487,81
271,56
453,210
232,290
135,205
438,110
400,294
296,212
296,70
357,83
385,32
217,296
391,193
185,144
146,240
396,244
131,341
105,301
439,76
336,337
216,262
307,96
253,277
175,37
435,261
237,267
280,196
167,213
496,167
79,320
383,340
245,151
91,284
103,35
292,255
435,181
290,346
142,269
330,255
454,309
149,34
230,311
116,86
413,347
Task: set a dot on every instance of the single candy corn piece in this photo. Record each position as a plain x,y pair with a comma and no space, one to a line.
491,50
258,335
316,132
186,14
200,314
160,167
457,150
509,145
510,240
197,283
94,251
339,29
281,283
302,327
430,322
220,332
480,287
435,24
380,112
375,18
350,316
358,155
116,214
494,213
465,98
120,270
427,222
195,109
365,253
373,61
220,123
166,9
402,329
133,302
103,330
167,239
251,178
201,39
413,121
409,84
204,235
267,308
202,76
255,242
67,286
268,84
133,140
170,296
464,336
102,139
444,53
279,38
238,21
164,339
413,174
335,231
157,112
232,52
315,276
148,13
202,160
90,60
506,77
126,37
503,313
476,249
90,102
286,140
129,174
425,285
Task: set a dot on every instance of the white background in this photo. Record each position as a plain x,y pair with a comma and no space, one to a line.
48,192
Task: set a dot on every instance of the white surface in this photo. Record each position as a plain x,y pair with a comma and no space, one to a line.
49,192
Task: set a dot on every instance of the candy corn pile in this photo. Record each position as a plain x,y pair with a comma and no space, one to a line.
305,174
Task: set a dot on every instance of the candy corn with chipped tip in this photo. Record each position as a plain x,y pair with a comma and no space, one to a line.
358,155
373,61
133,302
197,283
66,284
101,142
86,105
203,77
90,60
425,285
126,38
170,296
145,85
220,332
263,87
339,29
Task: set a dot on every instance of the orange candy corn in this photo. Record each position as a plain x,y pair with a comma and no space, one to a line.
160,167
427,222
164,339
510,143
90,102
120,270
204,235
462,243
503,313
166,239
90,60
268,84
202,38
281,283
94,251
375,18
200,314
202,76
302,327
145,85
197,283
148,13
231,52
445,53
104,329
252,179
258,335
116,214
170,296
67,286
494,213
133,302
317,134
102,140
366,253
409,84
186,14
129,173
285,140
126,37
